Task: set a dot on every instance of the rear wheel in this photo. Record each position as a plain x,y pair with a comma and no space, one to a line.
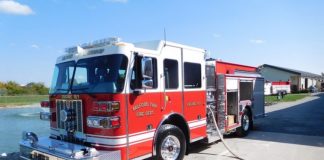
246,124
171,143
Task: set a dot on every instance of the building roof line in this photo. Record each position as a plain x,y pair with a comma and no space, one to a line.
301,73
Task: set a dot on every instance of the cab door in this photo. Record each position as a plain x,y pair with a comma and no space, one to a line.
194,94
171,81
144,107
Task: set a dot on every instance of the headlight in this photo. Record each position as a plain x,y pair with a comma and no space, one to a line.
103,122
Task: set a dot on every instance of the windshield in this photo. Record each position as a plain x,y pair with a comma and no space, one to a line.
104,74
62,77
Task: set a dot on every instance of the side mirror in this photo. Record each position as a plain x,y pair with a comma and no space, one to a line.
147,72
147,67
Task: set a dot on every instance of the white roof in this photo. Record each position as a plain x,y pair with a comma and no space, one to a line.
158,44
102,47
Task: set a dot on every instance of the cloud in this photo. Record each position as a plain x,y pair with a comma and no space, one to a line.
257,41
117,1
217,35
34,46
12,7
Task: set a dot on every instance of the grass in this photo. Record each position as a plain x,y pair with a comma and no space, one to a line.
286,98
8,101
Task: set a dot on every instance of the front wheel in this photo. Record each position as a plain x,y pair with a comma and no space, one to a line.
246,123
171,143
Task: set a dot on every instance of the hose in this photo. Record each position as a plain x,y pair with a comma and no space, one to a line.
221,137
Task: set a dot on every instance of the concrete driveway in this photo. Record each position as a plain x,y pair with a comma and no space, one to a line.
291,131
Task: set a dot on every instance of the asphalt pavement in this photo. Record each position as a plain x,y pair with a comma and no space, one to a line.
304,117
291,131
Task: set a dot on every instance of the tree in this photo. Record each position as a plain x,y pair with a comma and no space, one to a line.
32,88
36,88
13,88
3,89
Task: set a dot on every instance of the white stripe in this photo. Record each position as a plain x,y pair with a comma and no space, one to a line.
118,141
121,146
122,136
197,127
198,123
101,136
121,141
141,137
203,119
141,141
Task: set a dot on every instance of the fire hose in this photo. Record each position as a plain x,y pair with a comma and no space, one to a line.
221,137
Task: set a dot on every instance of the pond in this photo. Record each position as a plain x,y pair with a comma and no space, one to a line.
13,121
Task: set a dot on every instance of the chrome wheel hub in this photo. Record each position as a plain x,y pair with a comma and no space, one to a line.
170,148
246,122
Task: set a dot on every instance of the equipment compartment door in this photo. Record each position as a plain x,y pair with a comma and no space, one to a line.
258,98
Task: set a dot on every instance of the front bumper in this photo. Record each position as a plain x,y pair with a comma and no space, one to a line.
51,149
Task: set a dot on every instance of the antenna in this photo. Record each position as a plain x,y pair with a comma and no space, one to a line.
164,37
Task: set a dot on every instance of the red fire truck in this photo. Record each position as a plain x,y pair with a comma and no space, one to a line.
115,100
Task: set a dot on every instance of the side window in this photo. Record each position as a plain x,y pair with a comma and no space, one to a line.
192,75
171,74
136,79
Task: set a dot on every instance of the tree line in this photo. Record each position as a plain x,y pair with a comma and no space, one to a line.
13,88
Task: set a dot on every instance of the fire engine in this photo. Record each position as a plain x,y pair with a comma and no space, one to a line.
115,100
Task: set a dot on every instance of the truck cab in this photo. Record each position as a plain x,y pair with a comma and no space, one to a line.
114,99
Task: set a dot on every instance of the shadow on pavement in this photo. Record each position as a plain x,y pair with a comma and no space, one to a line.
198,148
298,123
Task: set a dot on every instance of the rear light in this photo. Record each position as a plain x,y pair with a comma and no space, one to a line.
106,106
103,122
45,116
45,104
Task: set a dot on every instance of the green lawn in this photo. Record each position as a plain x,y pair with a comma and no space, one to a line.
286,98
7,101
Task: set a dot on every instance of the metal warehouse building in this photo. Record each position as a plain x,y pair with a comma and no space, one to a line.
300,80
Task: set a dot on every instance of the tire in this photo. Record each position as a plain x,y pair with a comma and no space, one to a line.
171,143
246,124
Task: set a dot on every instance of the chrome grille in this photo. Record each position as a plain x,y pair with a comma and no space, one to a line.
69,115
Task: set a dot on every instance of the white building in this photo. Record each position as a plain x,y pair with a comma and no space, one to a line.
300,80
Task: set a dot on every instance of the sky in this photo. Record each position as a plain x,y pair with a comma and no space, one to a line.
286,33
